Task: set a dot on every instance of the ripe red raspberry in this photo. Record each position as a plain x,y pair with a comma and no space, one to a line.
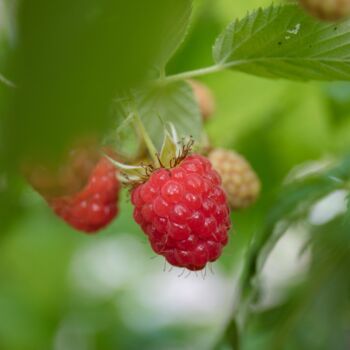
184,212
95,205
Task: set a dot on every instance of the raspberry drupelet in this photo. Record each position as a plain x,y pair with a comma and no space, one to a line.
184,212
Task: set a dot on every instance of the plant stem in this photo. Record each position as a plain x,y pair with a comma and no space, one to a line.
149,144
199,72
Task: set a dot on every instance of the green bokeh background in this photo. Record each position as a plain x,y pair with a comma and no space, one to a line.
277,125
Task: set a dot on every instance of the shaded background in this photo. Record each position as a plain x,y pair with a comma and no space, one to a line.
62,290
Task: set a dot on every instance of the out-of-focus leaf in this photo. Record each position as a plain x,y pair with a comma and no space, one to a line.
10,199
291,205
294,200
338,100
7,82
170,103
320,308
70,59
176,29
196,49
313,314
232,335
123,138
284,42
7,9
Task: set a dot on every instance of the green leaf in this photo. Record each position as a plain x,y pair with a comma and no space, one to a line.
11,205
295,200
284,42
176,28
7,82
319,304
292,204
337,96
170,103
124,137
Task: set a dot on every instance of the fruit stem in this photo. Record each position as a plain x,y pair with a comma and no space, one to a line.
149,144
199,72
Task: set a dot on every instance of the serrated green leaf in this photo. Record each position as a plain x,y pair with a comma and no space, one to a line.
284,42
170,103
176,28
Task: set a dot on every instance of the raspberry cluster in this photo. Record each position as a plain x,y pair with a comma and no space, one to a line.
184,212
95,205
239,180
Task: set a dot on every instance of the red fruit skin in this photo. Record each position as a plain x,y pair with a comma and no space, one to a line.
184,212
95,206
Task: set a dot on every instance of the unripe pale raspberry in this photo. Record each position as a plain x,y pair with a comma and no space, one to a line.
239,180
204,97
328,10
184,212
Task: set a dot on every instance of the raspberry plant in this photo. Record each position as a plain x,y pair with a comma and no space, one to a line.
128,101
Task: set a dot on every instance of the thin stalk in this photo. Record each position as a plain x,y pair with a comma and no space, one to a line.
149,144
199,72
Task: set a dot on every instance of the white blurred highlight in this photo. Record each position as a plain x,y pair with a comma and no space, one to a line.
329,207
121,263
286,264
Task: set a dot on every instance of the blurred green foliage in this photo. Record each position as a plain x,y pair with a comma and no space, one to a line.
69,61
73,58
